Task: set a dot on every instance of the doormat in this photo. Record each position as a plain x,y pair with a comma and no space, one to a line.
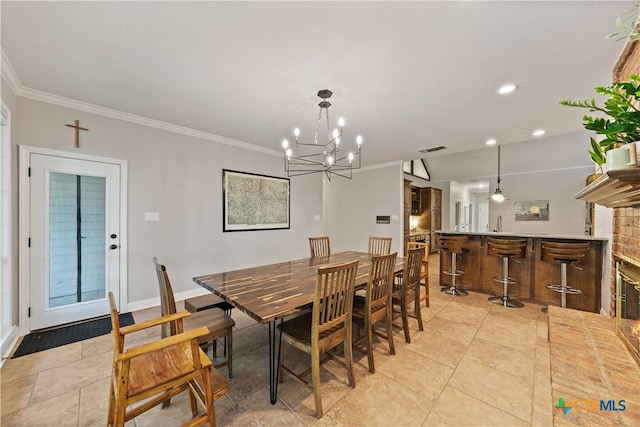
50,338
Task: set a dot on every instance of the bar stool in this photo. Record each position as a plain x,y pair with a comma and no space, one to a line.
507,249
453,244
564,254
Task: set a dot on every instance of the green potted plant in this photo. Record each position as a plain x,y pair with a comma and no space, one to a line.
619,123
628,31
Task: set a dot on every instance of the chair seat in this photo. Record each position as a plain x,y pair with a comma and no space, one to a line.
206,302
299,328
216,320
359,307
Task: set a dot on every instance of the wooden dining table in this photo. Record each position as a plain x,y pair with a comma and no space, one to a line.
272,292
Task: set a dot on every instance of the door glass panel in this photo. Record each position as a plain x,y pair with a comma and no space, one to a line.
77,238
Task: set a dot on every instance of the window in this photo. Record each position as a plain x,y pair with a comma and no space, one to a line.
418,168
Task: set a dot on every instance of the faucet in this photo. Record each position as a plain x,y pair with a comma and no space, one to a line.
498,225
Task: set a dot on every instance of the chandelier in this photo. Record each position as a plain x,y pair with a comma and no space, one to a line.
498,196
317,156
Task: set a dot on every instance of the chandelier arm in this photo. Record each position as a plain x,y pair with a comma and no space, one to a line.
301,161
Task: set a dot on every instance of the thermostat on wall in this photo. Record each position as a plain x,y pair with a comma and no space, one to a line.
383,219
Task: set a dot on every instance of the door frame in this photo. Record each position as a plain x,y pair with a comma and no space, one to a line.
24,206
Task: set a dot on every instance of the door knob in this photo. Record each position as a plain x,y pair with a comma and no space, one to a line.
112,247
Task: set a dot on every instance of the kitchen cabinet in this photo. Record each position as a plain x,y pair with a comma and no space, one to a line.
416,204
406,210
432,215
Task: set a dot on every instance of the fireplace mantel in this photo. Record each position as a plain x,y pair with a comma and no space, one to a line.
615,189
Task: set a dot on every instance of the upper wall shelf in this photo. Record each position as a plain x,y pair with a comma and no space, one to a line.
615,189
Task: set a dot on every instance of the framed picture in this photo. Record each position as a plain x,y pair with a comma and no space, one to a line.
254,202
533,210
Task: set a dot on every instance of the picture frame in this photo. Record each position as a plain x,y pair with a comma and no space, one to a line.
254,202
532,210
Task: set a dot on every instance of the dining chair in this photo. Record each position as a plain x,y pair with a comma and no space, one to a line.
375,306
325,327
424,271
319,246
219,323
148,374
379,245
407,291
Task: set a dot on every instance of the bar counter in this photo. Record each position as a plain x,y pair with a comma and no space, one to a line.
531,273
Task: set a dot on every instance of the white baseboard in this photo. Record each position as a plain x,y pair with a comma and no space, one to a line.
155,302
8,343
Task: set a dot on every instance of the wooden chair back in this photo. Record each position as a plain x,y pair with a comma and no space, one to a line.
514,248
424,272
380,284
333,298
319,246
167,300
410,284
379,245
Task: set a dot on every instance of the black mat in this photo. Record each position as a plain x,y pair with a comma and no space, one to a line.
44,340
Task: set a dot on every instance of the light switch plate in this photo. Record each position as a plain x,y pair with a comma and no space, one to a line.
316,217
395,217
152,216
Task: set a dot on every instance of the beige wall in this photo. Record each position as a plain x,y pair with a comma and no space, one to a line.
352,207
181,178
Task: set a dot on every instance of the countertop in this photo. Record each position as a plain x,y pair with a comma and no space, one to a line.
419,232
533,235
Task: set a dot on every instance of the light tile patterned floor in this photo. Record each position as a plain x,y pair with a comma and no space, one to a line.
475,363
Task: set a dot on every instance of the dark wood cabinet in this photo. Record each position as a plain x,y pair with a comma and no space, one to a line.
432,214
407,210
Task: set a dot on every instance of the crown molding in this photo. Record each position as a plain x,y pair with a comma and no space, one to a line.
8,73
19,90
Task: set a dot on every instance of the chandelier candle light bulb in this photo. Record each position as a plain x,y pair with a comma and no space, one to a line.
317,157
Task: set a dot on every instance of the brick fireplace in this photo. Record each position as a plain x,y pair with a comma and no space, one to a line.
625,247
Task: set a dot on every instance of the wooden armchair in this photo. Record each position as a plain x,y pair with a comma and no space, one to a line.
218,322
424,272
376,305
151,373
379,245
328,325
408,291
319,246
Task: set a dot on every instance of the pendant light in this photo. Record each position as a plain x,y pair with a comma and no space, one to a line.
498,196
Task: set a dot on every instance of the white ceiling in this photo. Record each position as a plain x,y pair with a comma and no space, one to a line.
406,75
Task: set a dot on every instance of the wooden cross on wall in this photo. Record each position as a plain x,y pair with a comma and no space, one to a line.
77,127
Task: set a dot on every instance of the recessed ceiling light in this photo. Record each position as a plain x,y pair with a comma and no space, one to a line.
508,88
539,132
491,141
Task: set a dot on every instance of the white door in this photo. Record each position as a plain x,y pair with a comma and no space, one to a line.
483,217
74,234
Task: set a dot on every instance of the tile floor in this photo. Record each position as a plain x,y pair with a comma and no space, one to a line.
475,363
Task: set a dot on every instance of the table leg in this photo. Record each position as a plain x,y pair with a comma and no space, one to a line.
275,339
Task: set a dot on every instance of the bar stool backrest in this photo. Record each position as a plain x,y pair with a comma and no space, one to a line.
514,248
452,243
563,252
